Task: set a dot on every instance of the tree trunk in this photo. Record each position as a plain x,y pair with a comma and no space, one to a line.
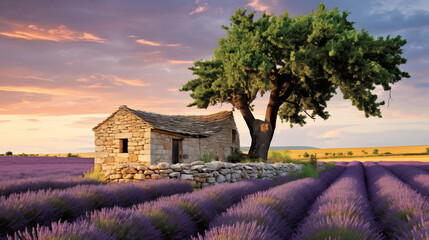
262,133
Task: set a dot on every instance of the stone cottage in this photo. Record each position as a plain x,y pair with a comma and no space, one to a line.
134,136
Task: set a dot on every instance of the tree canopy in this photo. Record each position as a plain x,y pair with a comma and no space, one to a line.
300,61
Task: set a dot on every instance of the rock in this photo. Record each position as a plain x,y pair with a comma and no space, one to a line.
176,167
163,165
166,171
187,171
220,179
141,168
228,177
115,176
197,163
211,180
215,173
148,172
229,165
197,167
204,185
128,176
224,171
155,176
139,176
174,175
200,179
187,177
130,170
214,166
202,174
153,167
185,166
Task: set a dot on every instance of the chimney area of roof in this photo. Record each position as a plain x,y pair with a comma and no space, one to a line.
123,106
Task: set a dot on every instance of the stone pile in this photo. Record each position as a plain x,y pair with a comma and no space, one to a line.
199,173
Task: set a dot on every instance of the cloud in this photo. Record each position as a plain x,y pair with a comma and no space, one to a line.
201,8
179,61
57,34
258,5
172,89
4,121
156,44
32,120
38,78
330,135
132,82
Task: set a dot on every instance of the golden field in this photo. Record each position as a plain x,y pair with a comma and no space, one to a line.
359,155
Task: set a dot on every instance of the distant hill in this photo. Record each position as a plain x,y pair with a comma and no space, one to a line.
245,149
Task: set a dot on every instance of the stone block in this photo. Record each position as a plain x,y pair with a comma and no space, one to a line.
123,135
197,167
155,176
166,145
176,167
174,175
163,165
153,167
220,179
197,163
187,177
128,176
115,176
211,180
139,176
141,168
214,166
144,158
134,157
148,172
199,179
166,171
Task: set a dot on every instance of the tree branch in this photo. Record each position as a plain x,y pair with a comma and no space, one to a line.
241,102
296,104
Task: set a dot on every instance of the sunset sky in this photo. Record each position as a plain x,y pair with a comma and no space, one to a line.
66,65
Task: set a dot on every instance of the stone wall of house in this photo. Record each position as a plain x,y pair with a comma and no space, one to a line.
200,174
121,125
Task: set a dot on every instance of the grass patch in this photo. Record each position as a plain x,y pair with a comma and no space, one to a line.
96,175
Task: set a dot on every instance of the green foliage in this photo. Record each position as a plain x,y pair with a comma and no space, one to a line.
427,150
313,160
306,155
98,176
236,157
327,154
340,154
308,171
206,157
334,154
308,58
375,151
9,153
387,153
349,153
329,165
23,154
72,155
280,156
364,152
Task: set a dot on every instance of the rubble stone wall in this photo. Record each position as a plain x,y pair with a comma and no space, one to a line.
200,174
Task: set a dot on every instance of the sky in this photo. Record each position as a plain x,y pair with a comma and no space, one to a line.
67,65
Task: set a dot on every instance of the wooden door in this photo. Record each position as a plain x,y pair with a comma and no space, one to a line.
175,151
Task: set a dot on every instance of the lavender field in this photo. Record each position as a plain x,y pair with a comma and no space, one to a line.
40,198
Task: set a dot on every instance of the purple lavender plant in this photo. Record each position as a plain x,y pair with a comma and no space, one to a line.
342,211
413,176
249,231
402,212
29,209
277,210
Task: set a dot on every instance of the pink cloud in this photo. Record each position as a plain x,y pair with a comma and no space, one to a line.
258,6
201,8
57,34
179,61
156,44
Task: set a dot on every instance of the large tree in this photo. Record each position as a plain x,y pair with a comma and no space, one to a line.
301,62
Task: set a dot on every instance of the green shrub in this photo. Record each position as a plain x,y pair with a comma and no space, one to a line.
340,154
329,165
326,154
280,156
72,155
95,175
387,153
349,153
206,157
427,150
313,160
9,153
375,151
306,155
23,154
236,157
333,154
364,152
254,160
308,171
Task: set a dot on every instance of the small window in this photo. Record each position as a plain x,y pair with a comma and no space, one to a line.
234,135
123,145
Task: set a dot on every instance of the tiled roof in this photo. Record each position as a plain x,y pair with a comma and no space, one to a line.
193,125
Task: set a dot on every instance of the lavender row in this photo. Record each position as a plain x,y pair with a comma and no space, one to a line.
175,217
415,177
402,212
41,183
19,211
342,211
16,167
271,214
